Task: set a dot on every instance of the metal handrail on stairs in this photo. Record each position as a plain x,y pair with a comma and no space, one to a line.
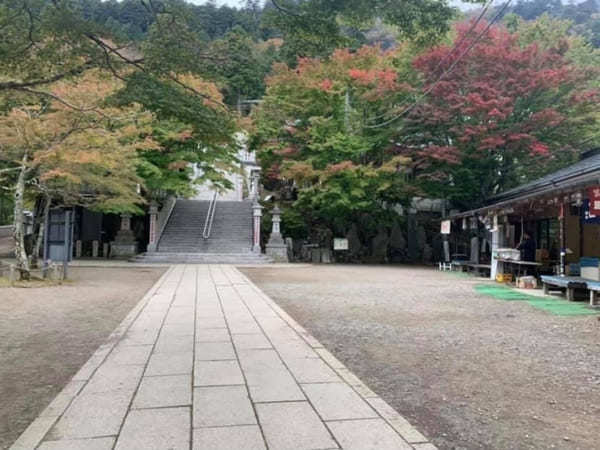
210,216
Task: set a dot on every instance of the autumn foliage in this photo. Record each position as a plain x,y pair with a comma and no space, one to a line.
312,140
75,149
502,110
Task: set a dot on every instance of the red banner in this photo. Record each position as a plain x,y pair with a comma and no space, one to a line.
594,197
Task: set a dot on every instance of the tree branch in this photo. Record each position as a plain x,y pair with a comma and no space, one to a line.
17,85
137,64
11,169
284,9
64,102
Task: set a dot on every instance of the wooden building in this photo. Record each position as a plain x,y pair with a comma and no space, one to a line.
561,211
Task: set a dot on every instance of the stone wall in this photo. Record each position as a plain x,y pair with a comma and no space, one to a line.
412,239
6,241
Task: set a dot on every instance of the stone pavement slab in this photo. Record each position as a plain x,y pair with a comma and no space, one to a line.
156,429
372,434
246,437
78,444
221,406
338,401
165,391
207,361
293,425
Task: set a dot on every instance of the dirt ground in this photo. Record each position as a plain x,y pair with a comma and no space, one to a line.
468,370
47,334
6,246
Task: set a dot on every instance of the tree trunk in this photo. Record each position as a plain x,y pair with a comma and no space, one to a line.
41,218
19,219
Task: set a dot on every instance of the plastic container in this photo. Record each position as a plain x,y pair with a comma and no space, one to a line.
508,253
504,277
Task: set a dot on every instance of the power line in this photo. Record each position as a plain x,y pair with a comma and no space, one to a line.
464,37
443,60
446,72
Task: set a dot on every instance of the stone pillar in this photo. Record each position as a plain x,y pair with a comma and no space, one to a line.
152,232
78,248
276,248
257,214
124,245
497,242
254,181
95,248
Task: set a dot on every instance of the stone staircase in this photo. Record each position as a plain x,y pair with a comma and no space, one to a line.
230,240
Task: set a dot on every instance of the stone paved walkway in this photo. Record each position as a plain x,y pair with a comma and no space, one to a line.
207,361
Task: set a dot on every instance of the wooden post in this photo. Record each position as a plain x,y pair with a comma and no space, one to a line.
12,275
592,298
67,244
563,249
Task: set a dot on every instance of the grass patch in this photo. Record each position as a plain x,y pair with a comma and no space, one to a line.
553,305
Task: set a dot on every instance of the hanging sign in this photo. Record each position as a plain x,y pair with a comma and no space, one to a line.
446,225
586,217
594,197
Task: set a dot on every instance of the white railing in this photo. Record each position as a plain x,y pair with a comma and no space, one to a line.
210,216
163,216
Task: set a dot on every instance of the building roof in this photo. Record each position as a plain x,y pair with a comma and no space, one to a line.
583,172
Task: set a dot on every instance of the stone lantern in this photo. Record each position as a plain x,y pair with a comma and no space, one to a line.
276,247
124,245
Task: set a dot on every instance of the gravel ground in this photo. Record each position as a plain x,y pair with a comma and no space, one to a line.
47,333
469,371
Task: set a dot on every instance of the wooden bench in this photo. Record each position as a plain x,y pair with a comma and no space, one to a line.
460,265
477,268
594,288
569,284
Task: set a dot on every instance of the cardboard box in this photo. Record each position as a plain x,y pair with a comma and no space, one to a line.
527,282
541,255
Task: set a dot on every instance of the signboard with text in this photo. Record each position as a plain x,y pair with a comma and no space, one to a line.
340,244
446,226
594,198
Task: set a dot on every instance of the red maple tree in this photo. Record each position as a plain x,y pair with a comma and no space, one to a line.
503,114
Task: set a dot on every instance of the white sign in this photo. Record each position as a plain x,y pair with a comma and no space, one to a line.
340,244
446,225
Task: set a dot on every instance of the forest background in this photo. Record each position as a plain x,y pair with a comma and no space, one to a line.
354,107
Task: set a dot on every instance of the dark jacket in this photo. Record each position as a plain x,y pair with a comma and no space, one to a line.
528,249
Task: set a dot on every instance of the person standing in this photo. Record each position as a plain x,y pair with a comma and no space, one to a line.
527,247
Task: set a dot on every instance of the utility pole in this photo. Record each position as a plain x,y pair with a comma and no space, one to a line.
347,111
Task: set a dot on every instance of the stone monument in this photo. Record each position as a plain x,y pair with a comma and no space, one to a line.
124,245
276,247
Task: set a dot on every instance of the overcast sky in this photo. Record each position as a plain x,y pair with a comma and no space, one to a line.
237,3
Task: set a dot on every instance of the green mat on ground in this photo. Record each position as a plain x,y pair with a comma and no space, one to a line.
553,305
